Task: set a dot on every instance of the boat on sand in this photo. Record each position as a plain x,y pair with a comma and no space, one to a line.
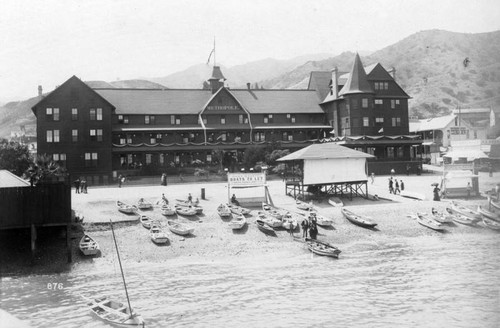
88,245
157,235
185,211
269,220
235,209
145,221
303,206
186,203
126,208
167,210
272,211
322,248
264,227
335,202
488,214
238,222
428,222
462,219
224,211
456,208
144,205
360,220
179,228
320,219
289,222
493,225
494,204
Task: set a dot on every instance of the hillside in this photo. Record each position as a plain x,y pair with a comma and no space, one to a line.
429,67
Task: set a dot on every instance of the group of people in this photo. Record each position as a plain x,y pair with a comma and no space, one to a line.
80,185
310,226
396,186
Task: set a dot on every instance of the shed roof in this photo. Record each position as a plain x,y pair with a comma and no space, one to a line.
9,180
429,124
324,151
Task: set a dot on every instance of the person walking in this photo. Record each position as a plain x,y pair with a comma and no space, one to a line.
402,185
77,185
391,186
372,177
396,190
305,227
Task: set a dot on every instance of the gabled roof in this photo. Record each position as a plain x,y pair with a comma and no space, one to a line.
9,180
192,101
324,151
429,124
358,81
71,80
320,81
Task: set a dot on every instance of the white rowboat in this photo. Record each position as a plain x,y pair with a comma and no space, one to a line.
88,245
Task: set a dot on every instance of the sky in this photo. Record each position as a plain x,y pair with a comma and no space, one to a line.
46,42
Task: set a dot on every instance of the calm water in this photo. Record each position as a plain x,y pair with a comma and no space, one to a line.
432,281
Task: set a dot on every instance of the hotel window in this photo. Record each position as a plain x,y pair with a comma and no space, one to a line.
149,119
56,135
379,101
184,138
120,119
400,152
60,158
91,159
48,114
148,159
390,152
56,114
386,85
366,121
260,136
209,158
223,136
99,134
291,118
377,86
268,118
379,120
285,136
354,103
122,140
129,138
158,136
161,159
175,120
146,119
370,150
223,119
205,121
397,102
92,114
364,102
396,121
93,135
191,137
177,159
74,135
50,136
99,114
240,119
74,114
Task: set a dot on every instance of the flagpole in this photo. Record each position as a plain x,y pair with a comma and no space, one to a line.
215,61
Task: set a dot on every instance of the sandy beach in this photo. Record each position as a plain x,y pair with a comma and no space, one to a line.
213,239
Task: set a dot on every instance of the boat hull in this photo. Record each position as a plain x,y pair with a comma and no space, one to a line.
238,222
262,226
487,214
115,313
88,246
322,248
429,223
179,229
358,220
491,224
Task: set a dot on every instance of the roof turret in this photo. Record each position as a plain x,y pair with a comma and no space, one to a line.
357,82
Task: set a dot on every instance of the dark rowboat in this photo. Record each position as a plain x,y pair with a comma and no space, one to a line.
264,227
322,248
362,221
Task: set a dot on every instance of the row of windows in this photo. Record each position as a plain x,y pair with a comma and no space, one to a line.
91,159
176,119
54,135
395,121
381,85
53,114
353,103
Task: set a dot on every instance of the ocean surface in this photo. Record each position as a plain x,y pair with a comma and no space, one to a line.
429,281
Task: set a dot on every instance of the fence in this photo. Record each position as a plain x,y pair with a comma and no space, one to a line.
43,205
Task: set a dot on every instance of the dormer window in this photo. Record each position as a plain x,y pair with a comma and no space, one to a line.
268,118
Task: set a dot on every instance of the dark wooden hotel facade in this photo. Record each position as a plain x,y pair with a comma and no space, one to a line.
101,133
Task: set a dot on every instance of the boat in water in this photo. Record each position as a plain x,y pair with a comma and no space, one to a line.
360,220
113,312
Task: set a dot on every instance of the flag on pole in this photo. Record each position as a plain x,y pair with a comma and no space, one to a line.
381,130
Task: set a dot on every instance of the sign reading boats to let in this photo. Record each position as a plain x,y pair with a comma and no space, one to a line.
246,179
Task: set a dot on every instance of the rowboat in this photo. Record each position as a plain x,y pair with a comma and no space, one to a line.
494,225
462,210
145,221
269,220
143,205
320,219
157,235
335,202
167,210
185,203
488,214
125,208
186,211
264,227
113,312
88,245
495,205
238,222
428,222
362,221
322,248
179,228
303,206
462,219
441,217
272,211
288,222
235,209
223,211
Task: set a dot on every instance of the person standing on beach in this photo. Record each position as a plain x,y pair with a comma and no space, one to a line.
163,179
407,169
391,186
436,194
190,198
120,181
77,185
402,185
372,177
83,185
305,227
469,189
396,190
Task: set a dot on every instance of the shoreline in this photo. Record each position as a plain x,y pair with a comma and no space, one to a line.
214,240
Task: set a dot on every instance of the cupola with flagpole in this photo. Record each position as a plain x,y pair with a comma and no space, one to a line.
217,79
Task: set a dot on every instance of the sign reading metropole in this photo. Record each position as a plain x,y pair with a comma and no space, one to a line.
236,180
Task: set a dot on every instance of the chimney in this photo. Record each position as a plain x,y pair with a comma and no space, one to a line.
248,85
40,91
392,71
335,83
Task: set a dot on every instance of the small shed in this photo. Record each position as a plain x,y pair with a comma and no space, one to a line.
327,168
